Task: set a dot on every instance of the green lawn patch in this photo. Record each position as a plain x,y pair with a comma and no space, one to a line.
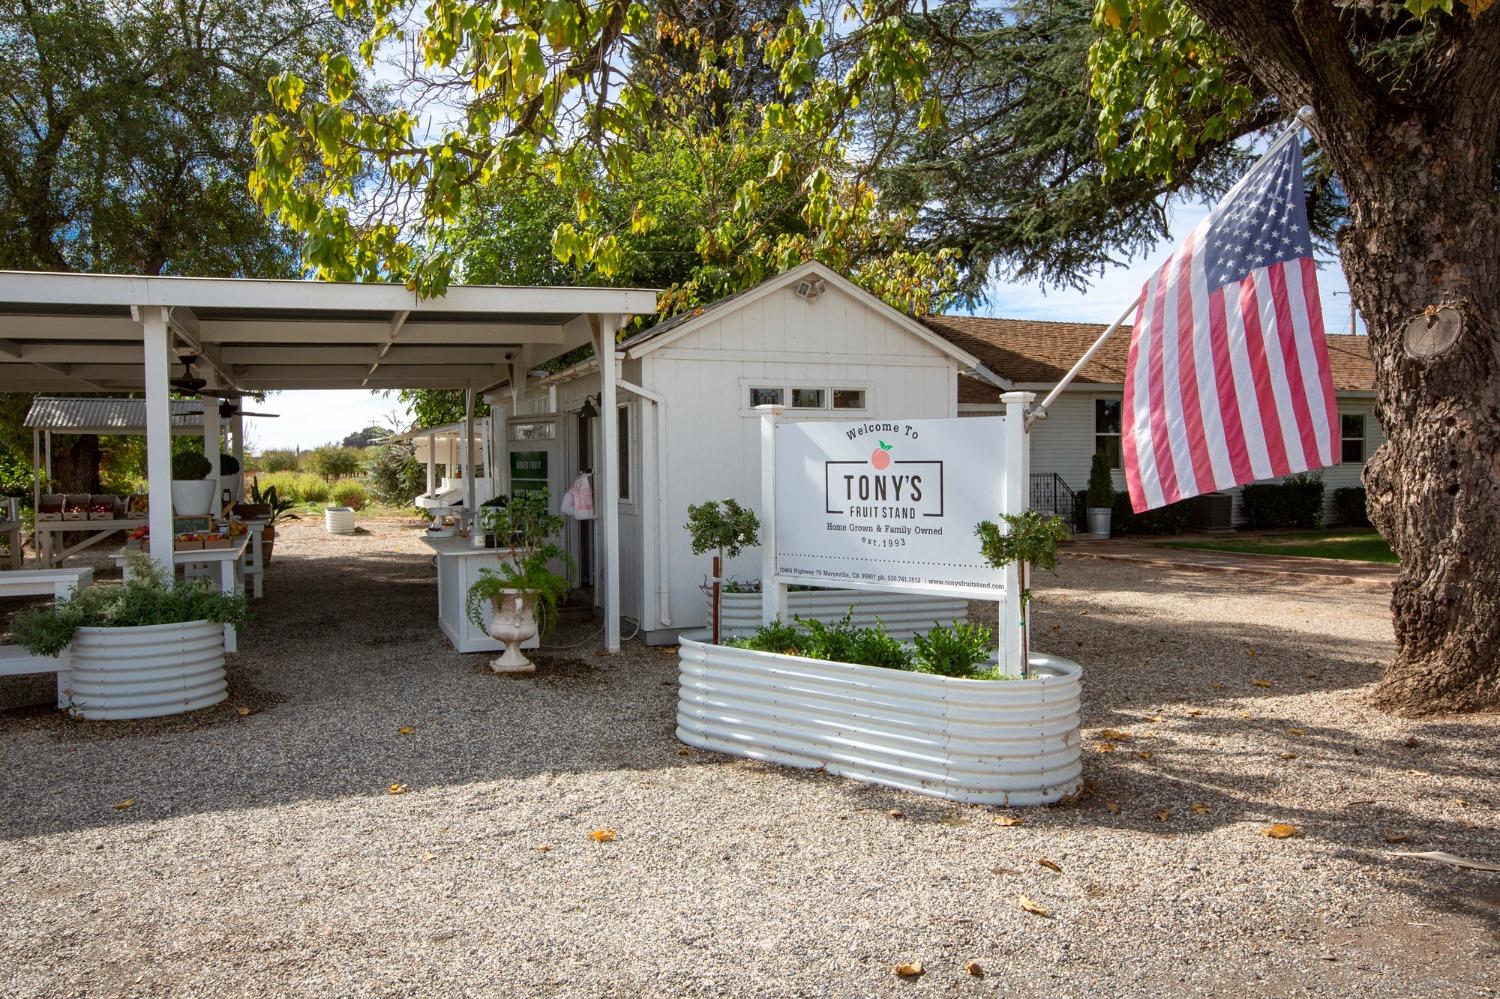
1350,545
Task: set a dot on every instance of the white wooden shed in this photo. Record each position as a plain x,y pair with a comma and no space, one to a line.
808,339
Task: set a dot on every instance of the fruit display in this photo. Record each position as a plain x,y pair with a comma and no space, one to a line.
217,540
188,541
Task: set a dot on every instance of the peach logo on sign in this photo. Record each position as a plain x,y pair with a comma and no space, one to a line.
880,458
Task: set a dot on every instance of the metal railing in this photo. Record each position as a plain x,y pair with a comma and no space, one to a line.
1050,494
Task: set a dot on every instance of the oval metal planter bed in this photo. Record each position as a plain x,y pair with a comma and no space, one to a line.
902,614
147,671
993,742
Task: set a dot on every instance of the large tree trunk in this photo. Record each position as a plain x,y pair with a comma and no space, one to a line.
75,463
1425,239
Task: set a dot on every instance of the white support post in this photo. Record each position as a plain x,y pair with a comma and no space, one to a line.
1013,501
48,469
606,478
237,428
772,592
211,448
468,456
158,434
431,464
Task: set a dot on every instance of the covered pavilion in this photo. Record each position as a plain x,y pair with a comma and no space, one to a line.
91,333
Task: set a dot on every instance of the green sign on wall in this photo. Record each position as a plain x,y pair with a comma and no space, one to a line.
528,465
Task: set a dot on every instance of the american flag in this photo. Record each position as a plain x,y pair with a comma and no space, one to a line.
1228,378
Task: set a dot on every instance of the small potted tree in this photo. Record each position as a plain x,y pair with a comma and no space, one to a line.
523,598
1030,538
1100,496
192,490
726,529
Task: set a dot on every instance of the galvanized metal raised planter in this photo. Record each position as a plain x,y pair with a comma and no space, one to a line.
147,671
902,614
993,742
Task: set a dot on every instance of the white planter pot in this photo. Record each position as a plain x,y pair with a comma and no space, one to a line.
902,614
338,520
993,742
192,498
512,621
1099,517
148,671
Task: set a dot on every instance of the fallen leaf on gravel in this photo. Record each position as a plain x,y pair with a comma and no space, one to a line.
605,835
1281,830
684,751
1246,714
1051,865
1216,685
120,806
1008,820
544,848
1194,713
1164,815
1412,742
1296,731
972,967
1397,837
405,730
1287,756
396,789
896,813
244,712
1260,683
1002,871
1144,754
1032,907
1200,808
1450,859
911,969
1250,653
1113,807
1106,747
1112,735
429,856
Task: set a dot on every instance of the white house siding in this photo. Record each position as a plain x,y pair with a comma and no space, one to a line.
1063,443
712,439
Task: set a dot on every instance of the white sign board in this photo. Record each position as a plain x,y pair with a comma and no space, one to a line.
889,506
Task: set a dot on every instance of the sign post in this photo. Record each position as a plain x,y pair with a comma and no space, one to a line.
772,590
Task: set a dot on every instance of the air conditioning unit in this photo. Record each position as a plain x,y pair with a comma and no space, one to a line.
1215,512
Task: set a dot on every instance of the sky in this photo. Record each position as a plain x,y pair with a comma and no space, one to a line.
309,419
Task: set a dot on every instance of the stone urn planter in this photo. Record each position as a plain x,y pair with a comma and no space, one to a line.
512,621
146,671
992,742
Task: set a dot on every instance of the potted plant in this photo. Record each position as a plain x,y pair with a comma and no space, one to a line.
149,647
726,529
192,491
524,596
1100,496
229,475
1030,538
273,509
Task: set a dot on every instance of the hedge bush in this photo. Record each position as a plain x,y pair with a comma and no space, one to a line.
1297,501
311,488
350,493
1172,519
1349,503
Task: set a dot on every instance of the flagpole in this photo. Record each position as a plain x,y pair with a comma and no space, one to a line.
1302,119
1039,411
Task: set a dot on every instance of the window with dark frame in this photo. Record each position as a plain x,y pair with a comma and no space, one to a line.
760,396
1352,437
622,447
848,398
808,398
1107,430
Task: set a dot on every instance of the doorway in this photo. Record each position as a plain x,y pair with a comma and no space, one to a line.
584,555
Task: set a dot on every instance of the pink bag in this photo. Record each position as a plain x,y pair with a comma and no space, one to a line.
578,501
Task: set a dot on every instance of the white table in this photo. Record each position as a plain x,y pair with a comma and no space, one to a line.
458,565
50,555
230,569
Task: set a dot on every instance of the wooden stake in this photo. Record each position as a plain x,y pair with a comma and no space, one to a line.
718,565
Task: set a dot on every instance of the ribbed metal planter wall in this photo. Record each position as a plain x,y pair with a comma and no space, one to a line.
994,742
338,520
902,614
147,672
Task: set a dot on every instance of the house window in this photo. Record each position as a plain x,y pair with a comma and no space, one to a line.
808,398
1107,429
848,398
623,447
1352,437
765,397
542,431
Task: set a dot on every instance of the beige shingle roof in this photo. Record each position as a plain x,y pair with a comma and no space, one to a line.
1036,351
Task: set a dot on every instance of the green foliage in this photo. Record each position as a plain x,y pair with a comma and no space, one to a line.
333,461
190,466
351,493
1031,537
723,526
395,475
312,488
526,527
1295,501
1351,506
1101,491
1172,519
280,506
954,650
15,475
149,598
228,465
364,438
435,407
277,460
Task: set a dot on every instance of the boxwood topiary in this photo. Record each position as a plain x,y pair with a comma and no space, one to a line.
190,466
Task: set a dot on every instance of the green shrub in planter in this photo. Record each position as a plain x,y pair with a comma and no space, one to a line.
1100,494
1349,503
958,650
190,466
1296,501
1172,519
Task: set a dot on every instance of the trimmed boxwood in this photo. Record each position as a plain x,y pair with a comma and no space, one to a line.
1349,503
1296,501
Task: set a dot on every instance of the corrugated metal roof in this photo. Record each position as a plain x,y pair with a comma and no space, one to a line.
105,415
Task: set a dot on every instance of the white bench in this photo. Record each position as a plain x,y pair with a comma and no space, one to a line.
58,584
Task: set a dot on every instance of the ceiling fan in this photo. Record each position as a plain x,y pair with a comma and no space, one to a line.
190,383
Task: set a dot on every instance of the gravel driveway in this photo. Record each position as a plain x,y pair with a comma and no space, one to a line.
263,854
